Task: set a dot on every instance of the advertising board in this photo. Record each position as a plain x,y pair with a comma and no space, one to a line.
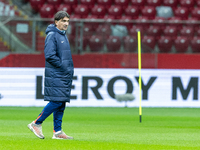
98,87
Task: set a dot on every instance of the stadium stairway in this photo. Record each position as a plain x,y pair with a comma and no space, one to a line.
24,39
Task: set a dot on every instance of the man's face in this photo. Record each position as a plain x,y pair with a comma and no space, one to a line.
62,24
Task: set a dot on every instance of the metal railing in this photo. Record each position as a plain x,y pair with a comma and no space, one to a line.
88,36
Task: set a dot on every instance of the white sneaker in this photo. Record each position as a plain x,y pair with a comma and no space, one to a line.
61,135
36,129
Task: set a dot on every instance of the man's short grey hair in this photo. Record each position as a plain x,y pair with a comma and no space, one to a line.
60,15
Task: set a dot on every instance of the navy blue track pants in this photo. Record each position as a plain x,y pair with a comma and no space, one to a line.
57,108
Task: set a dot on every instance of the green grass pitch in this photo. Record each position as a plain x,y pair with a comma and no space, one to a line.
104,129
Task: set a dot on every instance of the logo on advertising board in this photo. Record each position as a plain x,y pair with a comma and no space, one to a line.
99,81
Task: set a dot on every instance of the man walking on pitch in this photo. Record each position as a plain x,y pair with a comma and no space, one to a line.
59,71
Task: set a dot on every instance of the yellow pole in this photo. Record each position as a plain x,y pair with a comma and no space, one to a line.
139,67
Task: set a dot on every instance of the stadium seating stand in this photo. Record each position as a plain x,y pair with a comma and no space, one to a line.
138,3
132,11
113,44
115,11
82,10
196,12
148,43
72,3
130,44
64,7
96,43
37,4
99,11
122,3
154,3
195,44
89,3
171,3
181,44
105,3
47,11
165,44
171,31
188,32
182,12
149,11
155,31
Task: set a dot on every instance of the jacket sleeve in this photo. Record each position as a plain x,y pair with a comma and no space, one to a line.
50,50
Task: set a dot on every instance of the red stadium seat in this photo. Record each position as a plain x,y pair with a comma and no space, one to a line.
113,44
64,7
89,3
181,44
109,19
105,3
82,10
72,3
192,22
182,12
115,11
104,30
165,44
155,31
55,3
91,17
154,2
171,3
47,11
176,22
187,31
159,21
149,11
75,17
187,3
99,11
122,3
143,21
92,21
196,12
148,43
134,30
195,44
138,3
130,44
36,4
96,43
88,30
198,32
126,21
171,31
132,11
198,3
